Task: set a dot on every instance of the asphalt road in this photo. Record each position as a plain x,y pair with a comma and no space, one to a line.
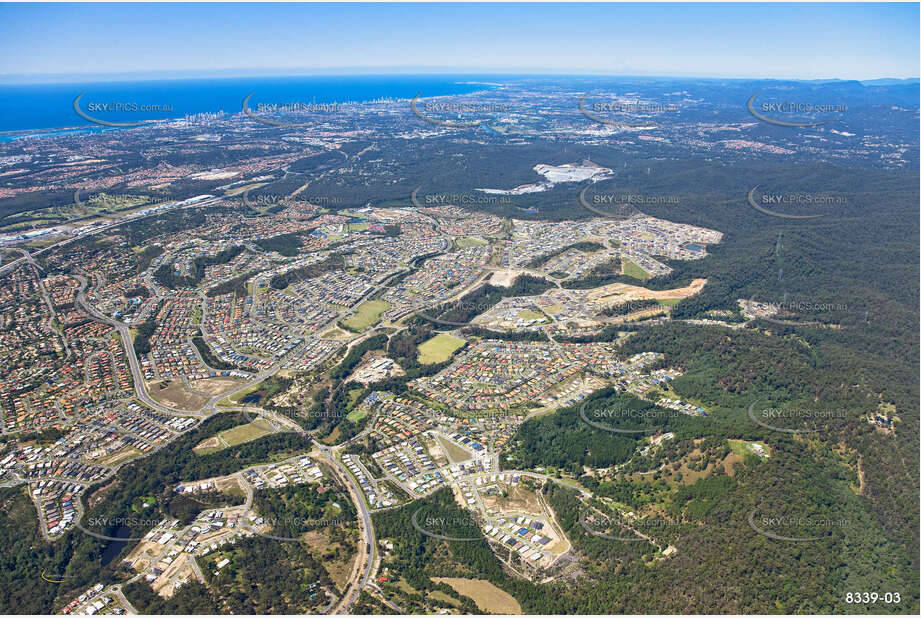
367,529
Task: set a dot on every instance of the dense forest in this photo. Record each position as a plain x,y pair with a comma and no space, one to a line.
287,245
852,277
721,565
143,332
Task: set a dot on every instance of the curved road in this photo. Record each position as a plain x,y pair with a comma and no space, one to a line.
367,529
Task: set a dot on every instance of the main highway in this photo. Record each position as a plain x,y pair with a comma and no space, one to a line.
368,544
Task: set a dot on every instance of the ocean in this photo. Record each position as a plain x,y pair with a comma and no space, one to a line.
39,107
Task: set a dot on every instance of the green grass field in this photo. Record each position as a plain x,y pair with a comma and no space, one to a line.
244,433
439,348
469,241
532,315
353,396
740,447
669,302
453,451
233,437
632,270
357,414
367,314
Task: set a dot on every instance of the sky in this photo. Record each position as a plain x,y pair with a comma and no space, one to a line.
785,41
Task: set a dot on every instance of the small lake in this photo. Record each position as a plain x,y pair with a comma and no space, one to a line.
115,547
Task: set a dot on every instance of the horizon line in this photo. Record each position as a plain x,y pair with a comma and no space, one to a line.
155,74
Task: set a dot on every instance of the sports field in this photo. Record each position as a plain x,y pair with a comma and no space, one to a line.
632,270
439,348
367,314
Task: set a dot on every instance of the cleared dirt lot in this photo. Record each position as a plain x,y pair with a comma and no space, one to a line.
620,292
519,500
456,453
215,386
173,393
129,452
486,596
504,278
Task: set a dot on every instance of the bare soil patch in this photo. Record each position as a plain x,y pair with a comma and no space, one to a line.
487,597
503,278
216,386
173,393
